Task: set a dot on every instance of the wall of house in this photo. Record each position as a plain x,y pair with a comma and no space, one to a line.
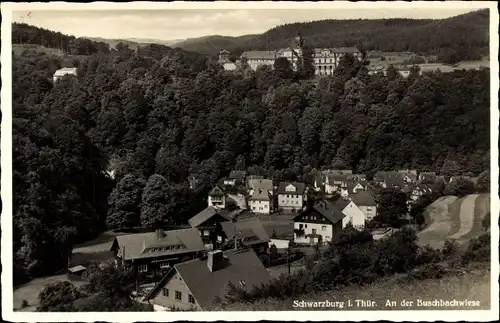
369,211
353,215
331,188
290,200
258,206
175,283
325,230
254,64
219,202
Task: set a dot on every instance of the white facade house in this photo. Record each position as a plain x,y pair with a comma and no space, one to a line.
366,203
291,196
63,72
318,224
261,195
353,213
217,198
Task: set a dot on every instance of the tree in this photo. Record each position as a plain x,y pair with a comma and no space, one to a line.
460,186
58,297
392,206
125,203
156,201
483,182
283,67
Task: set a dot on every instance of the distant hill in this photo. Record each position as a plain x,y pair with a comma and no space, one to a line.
134,42
466,34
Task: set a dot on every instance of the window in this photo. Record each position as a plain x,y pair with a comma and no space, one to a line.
305,226
178,295
368,208
323,228
191,299
314,231
301,226
165,292
142,268
164,264
327,238
288,195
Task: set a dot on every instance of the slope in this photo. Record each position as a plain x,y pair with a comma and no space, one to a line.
467,34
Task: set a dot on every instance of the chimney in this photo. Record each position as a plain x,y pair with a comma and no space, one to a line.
159,234
215,260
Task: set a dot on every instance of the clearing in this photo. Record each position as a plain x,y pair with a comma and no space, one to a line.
454,218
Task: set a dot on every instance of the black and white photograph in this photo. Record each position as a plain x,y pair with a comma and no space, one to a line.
244,161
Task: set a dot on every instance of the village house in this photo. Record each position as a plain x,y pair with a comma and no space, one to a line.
248,232
151,253
260,195
390,179
318,224
419,190
353,214
409,175
208,222
291,196
63,72
217,197
351,187
236,178
199,283
366,203
334,183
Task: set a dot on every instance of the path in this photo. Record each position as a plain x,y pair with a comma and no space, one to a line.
466,216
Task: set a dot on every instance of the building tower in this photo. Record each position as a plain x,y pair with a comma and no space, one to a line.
299,43
223,56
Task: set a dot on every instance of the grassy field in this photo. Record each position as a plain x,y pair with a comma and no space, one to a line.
452,218
474,285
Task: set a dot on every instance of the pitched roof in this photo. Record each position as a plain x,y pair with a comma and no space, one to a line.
363,198
255,54
65,70
238,174
206,286
231,214
300,187
145,245
247,230
342,203
203,216
328,209
216,191
261,189
345,50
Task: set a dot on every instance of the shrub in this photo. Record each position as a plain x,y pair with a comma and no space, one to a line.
24,303
397,253
428,271
479,250
450,249
58,297
428,255
486,222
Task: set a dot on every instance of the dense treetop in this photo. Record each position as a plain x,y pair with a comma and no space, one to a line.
158,115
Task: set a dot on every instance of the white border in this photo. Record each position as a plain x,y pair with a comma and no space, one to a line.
6,163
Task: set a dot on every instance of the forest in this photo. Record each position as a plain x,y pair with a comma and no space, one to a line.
159,115
464,37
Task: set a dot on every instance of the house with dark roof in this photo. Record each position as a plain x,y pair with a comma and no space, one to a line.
427,176
151,253
291,196
366,203
390,179
353,214
217,197
199,283
409,175
236,177
249,233
334,182
260,195
318,223
208,222
351,186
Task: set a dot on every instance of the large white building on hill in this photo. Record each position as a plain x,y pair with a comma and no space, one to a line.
325,60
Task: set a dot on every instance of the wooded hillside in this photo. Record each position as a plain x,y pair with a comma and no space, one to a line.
158,115
466,36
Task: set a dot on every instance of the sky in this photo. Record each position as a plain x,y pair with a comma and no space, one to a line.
190,23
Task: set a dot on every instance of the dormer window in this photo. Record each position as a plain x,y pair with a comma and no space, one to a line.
242,283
